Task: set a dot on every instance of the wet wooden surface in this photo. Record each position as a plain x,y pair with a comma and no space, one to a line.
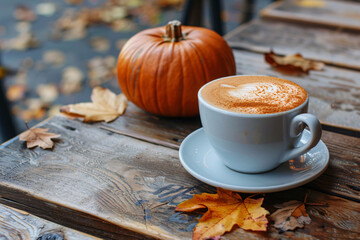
334,92
338,14
20,225
115,186
331,46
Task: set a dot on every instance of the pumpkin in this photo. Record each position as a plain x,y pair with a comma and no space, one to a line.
161,69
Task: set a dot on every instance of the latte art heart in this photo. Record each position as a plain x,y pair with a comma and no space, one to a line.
254,94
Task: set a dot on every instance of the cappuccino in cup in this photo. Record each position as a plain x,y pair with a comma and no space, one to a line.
254,94
254,123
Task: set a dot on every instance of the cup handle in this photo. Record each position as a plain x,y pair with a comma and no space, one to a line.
315,130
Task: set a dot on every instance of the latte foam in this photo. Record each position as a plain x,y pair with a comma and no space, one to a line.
254,94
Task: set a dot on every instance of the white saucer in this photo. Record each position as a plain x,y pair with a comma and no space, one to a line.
199,159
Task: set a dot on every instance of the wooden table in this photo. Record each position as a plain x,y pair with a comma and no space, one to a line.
123,180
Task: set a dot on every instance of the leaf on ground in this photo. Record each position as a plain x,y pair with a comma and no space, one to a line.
290,215
47,92
38,137
225,209
101,70
72,80
54,58
23,13
105,106
15,92
291,64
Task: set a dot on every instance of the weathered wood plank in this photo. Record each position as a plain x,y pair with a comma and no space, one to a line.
338,47
117,186
340,14
334,92
20,225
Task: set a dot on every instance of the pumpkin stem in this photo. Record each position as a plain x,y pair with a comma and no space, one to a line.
173,32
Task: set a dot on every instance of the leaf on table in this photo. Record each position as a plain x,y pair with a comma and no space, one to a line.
290,215
105,106
292,63
225,209
38,137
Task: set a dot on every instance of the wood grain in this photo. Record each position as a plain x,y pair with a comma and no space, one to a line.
334,92
337,47
339,14
20,225
116,186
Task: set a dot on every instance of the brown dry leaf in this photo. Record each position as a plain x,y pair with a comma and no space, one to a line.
47,92
72,79
54,110
290,215
105,106
23,41
292,63
15,92
38,137
54,58
46,8
23,13
100,44
35,109
225,209
74,2
101,70
120,43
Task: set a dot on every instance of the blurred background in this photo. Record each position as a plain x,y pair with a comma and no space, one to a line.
53,53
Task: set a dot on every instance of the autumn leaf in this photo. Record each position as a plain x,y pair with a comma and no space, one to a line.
290,215
38,137
105,106
225,209
292,63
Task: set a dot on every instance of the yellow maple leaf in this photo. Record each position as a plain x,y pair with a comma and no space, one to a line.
105,106
225,209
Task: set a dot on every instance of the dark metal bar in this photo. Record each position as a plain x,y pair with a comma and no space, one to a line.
7,127
215,16
192,13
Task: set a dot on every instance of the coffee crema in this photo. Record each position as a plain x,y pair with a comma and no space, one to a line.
254,94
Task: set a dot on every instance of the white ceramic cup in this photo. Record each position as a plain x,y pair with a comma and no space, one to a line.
254,143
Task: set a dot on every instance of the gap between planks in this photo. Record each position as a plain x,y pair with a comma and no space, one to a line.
142,138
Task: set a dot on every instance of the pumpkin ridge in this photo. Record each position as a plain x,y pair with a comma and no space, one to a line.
201,60
156,81
140,81
134,73
168,78
183,99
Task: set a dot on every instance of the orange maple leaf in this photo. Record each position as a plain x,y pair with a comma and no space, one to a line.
292,64
225,209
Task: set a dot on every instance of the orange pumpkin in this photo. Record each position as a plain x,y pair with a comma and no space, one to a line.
161,69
